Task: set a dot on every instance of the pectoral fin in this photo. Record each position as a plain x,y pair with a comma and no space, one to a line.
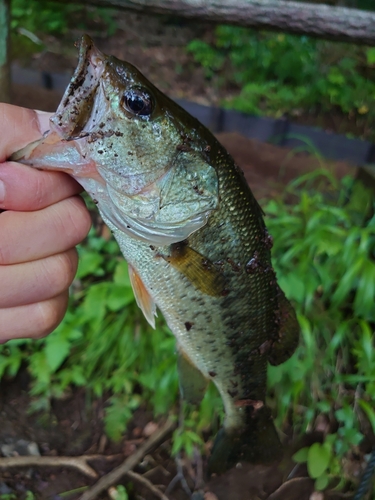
142,297
289,329
201,272
193,384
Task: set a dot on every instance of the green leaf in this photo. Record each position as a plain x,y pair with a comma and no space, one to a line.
301,455
322,482
318,458
57,348
119,297
370,413
370,55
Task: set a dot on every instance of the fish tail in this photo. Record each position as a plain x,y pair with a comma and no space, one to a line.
256,443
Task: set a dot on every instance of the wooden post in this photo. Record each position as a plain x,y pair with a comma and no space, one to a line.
4,51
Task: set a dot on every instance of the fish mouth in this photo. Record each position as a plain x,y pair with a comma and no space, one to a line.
75,109
60,148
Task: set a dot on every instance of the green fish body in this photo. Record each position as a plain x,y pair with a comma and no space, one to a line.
192,233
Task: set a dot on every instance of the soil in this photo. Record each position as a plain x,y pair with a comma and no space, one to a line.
73,427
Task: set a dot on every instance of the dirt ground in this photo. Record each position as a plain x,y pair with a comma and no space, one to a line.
73,427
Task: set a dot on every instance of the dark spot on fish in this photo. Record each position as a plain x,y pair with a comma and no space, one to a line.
116,155
197,190
101,125
254,264
188,325
183,147
152,247
118,133
100,151
130,153
236,267
212,374
267,240
232,393
265,347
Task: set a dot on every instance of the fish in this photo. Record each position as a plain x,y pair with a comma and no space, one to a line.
192,233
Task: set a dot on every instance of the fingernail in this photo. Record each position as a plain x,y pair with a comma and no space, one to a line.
2,192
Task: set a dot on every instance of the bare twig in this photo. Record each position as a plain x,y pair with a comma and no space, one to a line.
116,474
147,484
79,463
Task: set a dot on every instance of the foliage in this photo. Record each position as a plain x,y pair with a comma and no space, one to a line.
324,255
31,19
278,73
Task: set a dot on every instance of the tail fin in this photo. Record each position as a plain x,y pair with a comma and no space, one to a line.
258,443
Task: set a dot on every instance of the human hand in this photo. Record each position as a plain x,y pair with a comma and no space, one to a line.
43,221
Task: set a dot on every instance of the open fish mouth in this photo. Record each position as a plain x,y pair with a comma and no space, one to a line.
61,147
75,111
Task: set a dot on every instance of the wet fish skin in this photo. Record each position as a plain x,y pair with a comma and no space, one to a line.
192,233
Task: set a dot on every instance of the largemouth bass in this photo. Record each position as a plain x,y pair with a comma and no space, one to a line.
192,233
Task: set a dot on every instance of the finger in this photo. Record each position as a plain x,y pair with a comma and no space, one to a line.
21,126
27,189
37,281
33,320
31,236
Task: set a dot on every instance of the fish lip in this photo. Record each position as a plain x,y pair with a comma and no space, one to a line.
81,89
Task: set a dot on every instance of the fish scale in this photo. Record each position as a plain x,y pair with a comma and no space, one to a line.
193,235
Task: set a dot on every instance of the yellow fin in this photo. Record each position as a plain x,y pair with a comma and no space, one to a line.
201,272
142,297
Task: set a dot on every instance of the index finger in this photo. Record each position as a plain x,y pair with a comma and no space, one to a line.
24,188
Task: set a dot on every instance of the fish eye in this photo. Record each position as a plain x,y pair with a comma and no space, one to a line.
138,102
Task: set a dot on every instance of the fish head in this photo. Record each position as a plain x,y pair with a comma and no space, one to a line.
137,153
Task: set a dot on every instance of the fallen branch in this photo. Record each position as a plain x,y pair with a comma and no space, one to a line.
79,463
147,484
322,21
116,474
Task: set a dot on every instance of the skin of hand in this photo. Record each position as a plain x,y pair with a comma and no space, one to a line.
43,221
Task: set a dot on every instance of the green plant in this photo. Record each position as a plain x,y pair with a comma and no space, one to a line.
324,254
277,73
31,20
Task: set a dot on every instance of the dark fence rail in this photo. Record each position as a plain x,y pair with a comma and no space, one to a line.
281,132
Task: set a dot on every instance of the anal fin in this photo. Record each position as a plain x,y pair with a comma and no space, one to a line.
144,300
289,329
193,383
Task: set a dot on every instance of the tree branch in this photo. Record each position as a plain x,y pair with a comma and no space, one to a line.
116,474
322,21
79,463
